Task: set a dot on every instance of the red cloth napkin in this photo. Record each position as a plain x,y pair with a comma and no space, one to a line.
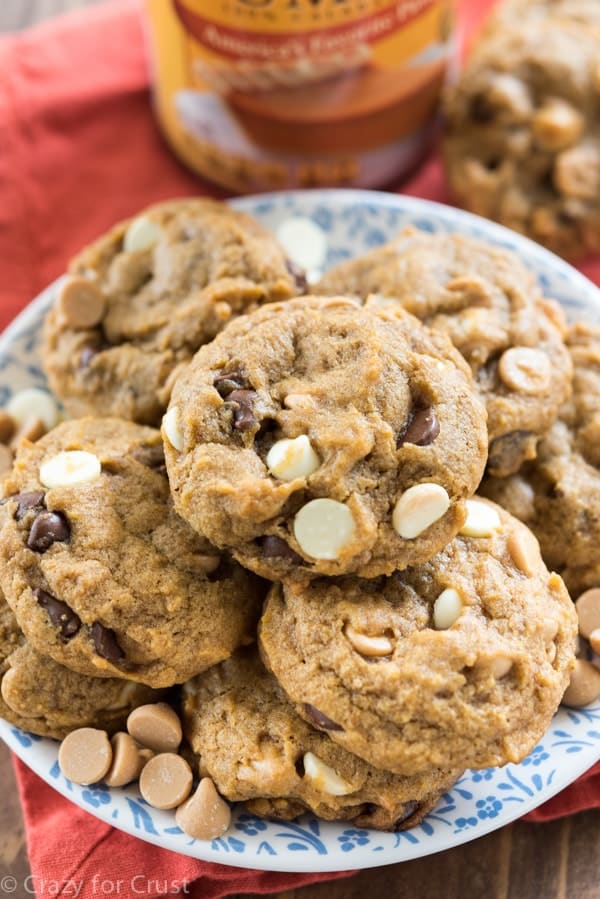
79,150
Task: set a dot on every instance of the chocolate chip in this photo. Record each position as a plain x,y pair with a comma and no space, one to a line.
320,719
48,528
275,548
227,382
481,110
26,502
299,766
243,413
105,643
422,429
509,451
407,812
61,615
298,275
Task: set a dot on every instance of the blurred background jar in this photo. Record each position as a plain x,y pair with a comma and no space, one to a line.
270,94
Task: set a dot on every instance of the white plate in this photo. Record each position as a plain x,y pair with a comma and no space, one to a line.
480,801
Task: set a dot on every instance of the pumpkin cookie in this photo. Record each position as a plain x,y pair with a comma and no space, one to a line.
490,306
259,751
140,301
460,662
101,573
316,437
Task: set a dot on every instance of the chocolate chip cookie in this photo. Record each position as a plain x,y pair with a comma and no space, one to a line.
259,751
558,495
491,307
317,437
522,142
458,662
101,573
140,301
45,698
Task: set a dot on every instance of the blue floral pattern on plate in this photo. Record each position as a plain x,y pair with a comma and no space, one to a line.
480,801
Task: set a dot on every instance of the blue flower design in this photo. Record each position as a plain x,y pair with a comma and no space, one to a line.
250,825
536,756
350,839
486,774
488,807
98,795
464,823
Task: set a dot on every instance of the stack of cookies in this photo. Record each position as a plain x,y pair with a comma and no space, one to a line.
297,562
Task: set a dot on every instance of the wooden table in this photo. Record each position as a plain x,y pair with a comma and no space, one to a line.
560,860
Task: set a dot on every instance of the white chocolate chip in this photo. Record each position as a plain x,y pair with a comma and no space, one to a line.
418,508
324,778
142,234
500,666
70,468
447,609
482,520
525,370
33,403
368,645
304,242
323,528
290,459
172,428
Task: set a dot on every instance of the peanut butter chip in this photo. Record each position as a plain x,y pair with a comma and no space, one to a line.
447,609
166,781
172,428
156,726
205,816
418,508
584,686
80,304
524,551
323,528
525,370
368,645
557,125
85,755
588,611
324,778
126,762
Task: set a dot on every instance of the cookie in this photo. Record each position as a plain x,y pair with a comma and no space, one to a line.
316,437
142,299
558,495
490,306
522,142
47,699
101,573
259,751
460,662
586,12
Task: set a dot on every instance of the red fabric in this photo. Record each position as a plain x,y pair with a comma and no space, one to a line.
78,150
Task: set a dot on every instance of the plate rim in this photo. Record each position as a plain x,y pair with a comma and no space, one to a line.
283,862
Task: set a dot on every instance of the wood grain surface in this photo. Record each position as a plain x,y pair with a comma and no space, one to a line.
559,860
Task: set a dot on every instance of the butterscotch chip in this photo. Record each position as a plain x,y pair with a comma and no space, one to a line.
557,125
7,426
206,815
588,612
85,755
166,781
80,304
156,726
584,686
32,429
594,640
127,761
